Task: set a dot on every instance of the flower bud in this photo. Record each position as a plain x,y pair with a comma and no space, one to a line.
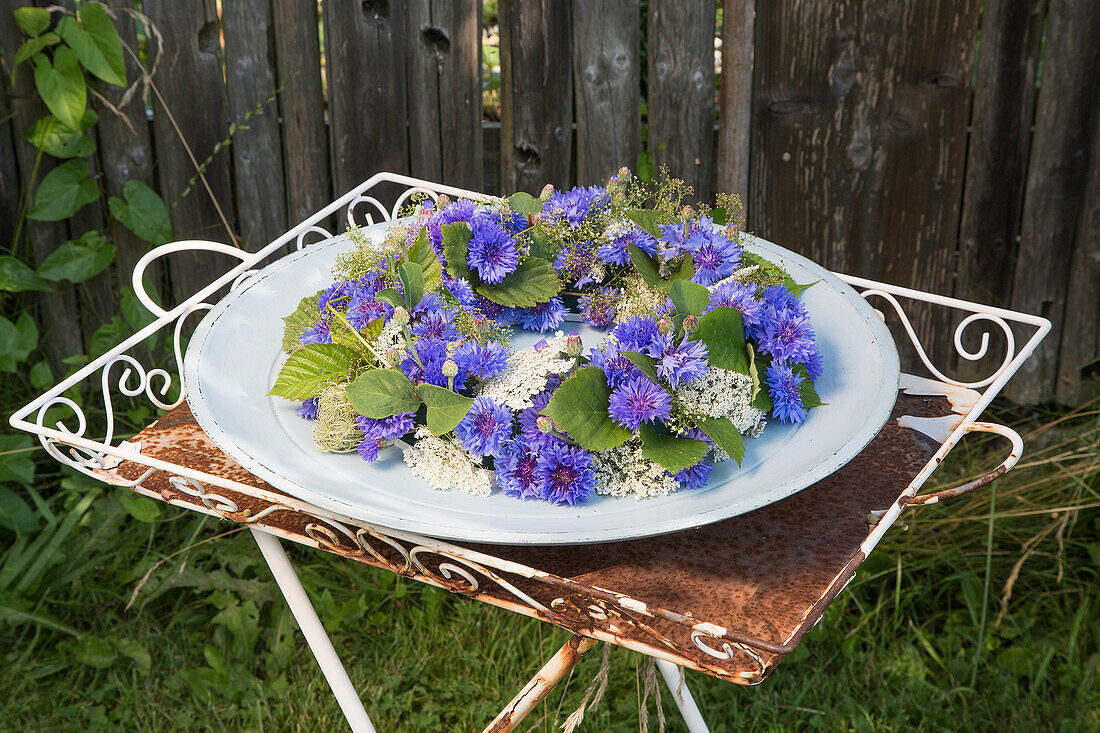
452,347
624,174
664,324
573,345
400,316
544,424
688,211
690,324
442,201
547,192
449,369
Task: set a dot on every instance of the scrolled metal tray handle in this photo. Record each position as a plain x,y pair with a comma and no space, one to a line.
1005,466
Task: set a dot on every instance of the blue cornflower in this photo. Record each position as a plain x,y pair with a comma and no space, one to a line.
368,450
308,410
713,255
512,222
787,334
672,241
515,471
436,324
486,426
573,206
638,401
460,288
616,251
784,386
454,212
739,296
544,316
334,292
598,308
815,365
482,360
616,368
678,362
778,296
321,333
695,476
387,428
533,438
565,475
432,353
574,262
364,308
491,251
635,333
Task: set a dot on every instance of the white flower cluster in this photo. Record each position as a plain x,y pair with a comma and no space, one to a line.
722,393
443,465
527,372
390,344
624,471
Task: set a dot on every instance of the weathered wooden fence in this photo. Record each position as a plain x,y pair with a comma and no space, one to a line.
877,136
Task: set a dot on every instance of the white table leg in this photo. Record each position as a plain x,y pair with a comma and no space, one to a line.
315,633
674,678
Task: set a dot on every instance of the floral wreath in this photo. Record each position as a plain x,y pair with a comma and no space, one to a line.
411,343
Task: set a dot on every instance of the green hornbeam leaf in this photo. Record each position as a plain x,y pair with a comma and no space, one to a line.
422,253
724,335
95,42
723,432
55,139
540,245
17,341
392,297
382,393
754,372
445,407
143,212
534,281
310,368
32,21
61,85
455,238
645,363
525,203
645,265
671,451
15,276
797,288
64,191
810,398
579,407
647,219
80,260
644,168
304,317
34,45
689,298
412,281
686,270
719,216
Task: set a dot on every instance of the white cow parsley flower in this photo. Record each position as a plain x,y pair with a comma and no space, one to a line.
624,471
527,372
443,465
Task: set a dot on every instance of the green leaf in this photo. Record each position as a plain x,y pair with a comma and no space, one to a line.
33,45
758,363
723,432
525,203
671,451
143,212
647,219
141,508
16,514
686,270
17,341
455,238
95,652
61,85
15,276
381,393
310,368
810,398
80,260
96,43
412,281
107,337
579,407
64,191
689,298
645,265
17,465
392,297
422,253
724,335
719,216
540,245
644,167
32,21
59,141
797,288
136,653
645,363
445,407
304,317
534,281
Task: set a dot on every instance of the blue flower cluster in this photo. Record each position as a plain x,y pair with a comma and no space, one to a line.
714,255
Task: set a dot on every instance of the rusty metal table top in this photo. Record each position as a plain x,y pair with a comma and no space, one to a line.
730,599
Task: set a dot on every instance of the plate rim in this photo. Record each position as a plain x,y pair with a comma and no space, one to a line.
878,416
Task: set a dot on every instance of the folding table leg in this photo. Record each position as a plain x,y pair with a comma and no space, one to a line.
674,678
315,633
540,685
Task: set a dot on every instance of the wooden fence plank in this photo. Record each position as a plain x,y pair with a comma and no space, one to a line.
1057,175
735,98
606,73
257,148
192,96
443,39
59,317
860,136
302,108
365,61
536,130
680,99
126,148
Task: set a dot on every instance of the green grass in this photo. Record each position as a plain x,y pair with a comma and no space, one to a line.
919,640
